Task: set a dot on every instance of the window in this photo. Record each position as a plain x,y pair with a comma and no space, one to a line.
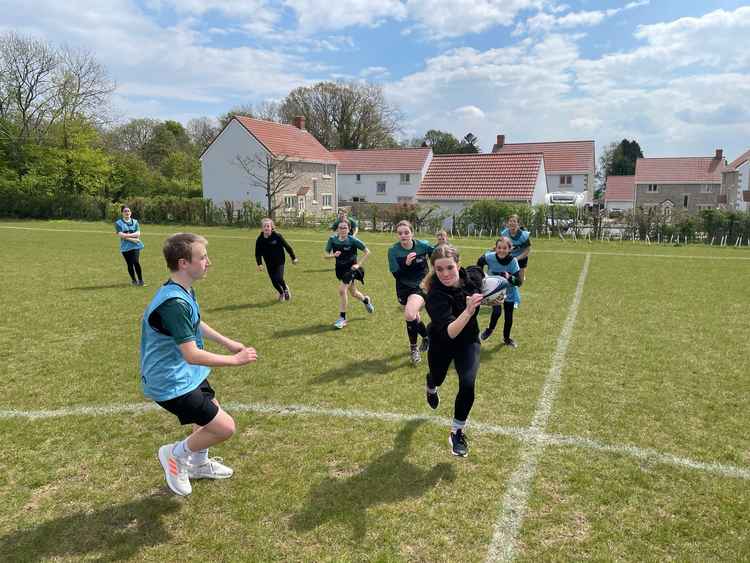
653,188
359,178
380,188
288,169
706,189
328,170
315,191
406,178
358,198
301,203
566,180
405,199
684,201
327,200
290,202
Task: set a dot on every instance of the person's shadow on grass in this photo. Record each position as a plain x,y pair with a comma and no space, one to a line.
98,287
108,534
310,329
361,368
388,479
241,306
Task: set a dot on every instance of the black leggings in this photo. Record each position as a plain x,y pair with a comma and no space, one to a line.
508,307
134,266
465,358
276,273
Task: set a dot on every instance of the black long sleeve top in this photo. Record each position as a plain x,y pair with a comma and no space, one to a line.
271,249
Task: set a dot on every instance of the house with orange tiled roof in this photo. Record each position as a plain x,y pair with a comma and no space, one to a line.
456,181
307,167
619,194
679,183
381,175
570,167
736,183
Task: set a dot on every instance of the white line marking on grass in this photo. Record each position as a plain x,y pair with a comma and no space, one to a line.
515,500
523,435
323,240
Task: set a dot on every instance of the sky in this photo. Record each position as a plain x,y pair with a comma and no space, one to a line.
672,74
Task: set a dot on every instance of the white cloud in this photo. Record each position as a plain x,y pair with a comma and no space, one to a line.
682,91
317,15
469,112
375,72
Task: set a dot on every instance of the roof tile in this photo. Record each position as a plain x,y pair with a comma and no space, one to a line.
679,170
500,176
620,188
559,156
287,140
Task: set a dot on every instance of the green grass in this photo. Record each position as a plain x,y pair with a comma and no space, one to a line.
656,360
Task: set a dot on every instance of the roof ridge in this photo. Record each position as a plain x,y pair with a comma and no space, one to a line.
386,149
549,142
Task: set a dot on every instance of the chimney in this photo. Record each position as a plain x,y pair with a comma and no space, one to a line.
719,154
299,122
500,141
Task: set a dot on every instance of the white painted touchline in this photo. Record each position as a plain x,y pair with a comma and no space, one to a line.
458,243
524,435
516,498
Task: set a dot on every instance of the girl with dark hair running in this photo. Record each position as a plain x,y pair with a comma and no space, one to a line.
500,262
343,248
408,262
453,298
129,232
270,246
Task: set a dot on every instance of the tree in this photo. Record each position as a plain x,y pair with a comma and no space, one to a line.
202,131
132,136
241,110
442,142
343,115
41,86
468,144
270,174
618,159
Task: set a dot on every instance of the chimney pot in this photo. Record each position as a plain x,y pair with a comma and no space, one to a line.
299,122
500,141
719,154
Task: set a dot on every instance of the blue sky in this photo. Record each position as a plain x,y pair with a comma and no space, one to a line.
675,75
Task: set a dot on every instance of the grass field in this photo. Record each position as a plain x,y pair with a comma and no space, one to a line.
616,431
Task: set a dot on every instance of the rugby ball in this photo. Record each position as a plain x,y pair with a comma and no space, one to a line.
494,289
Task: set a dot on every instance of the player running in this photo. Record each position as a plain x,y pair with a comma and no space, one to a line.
408,262
500,262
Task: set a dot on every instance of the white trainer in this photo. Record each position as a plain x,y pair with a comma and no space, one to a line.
175,471
211,469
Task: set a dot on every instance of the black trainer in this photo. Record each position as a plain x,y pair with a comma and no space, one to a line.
459,445
425,344
510,343
433,399
486,333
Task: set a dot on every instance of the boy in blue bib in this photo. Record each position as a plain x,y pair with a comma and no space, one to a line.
175,367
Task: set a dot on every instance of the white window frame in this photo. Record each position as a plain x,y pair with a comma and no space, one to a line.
377,188
301,203
404,199
290,203
288,169
566,180
707,189
315,190
359,199
327,201
327,170
652,188
405,178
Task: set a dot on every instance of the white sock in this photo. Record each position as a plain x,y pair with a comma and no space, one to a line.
457,425
199,458
431,390
181,449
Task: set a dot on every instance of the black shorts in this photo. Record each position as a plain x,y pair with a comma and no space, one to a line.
523,261
404,291
347,275
194,407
